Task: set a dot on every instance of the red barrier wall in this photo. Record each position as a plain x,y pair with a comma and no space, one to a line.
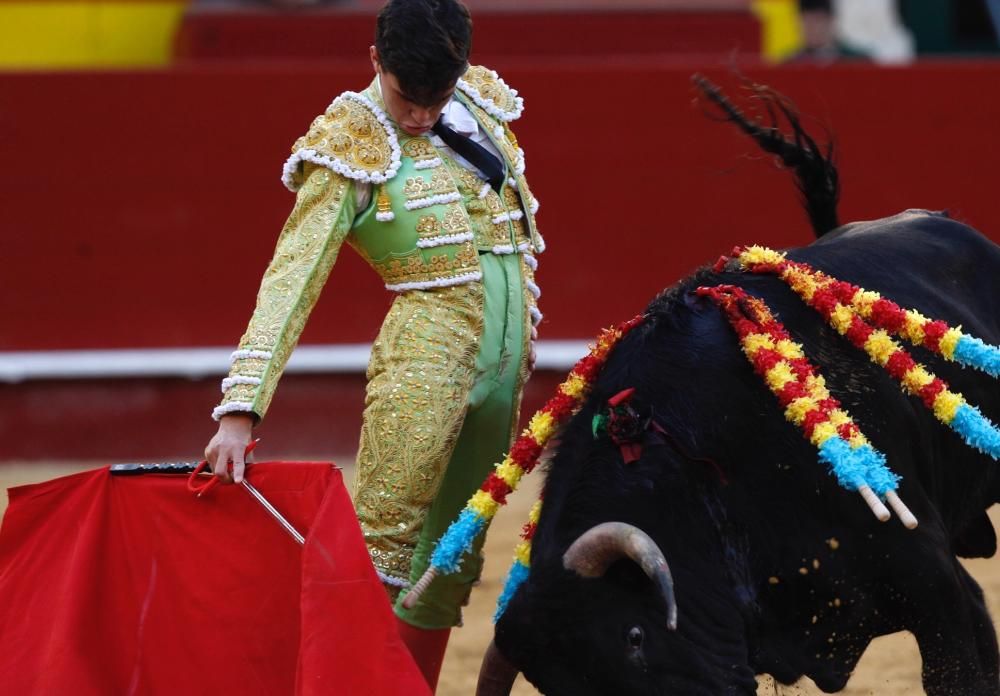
213,34
141,208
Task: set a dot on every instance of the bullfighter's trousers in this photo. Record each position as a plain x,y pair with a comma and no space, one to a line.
444,388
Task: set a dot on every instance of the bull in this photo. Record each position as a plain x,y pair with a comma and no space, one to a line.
775,568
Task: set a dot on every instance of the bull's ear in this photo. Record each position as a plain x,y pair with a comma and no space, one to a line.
600,546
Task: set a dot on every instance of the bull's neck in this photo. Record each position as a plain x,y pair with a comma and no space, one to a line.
716,602
716,621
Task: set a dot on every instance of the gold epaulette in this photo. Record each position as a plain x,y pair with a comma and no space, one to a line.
490,93
353,138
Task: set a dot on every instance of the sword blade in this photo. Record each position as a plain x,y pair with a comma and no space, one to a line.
274,512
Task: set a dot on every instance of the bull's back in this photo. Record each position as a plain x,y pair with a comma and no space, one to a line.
946,271
920,260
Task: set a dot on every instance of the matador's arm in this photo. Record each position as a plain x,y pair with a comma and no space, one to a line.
306,251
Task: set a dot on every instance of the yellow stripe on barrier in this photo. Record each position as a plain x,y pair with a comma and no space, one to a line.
75,35
780,32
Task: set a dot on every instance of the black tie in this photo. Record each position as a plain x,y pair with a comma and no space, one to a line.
477,155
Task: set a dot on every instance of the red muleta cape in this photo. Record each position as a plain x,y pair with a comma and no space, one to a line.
131,585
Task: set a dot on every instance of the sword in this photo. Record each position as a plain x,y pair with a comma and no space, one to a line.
274,512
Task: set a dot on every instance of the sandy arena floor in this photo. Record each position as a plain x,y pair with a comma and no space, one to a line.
891,667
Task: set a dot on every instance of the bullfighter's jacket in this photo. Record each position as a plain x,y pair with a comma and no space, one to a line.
428,220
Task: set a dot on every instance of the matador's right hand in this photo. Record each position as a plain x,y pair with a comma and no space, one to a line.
228,446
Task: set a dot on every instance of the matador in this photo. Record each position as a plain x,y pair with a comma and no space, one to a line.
446,371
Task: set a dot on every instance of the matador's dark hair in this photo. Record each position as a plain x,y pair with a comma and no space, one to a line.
425,44
815,172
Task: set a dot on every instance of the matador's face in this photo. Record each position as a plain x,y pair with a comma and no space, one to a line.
413,117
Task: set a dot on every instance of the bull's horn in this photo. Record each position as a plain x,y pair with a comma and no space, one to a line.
497,675
600,546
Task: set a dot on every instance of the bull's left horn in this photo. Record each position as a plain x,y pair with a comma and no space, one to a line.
600,546
497,675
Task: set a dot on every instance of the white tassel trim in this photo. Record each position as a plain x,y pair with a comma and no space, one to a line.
533,289
250,354
535,205
445,239
390,580
488,106
427,163
531,262
484,191
387,216
341,167
519,166
512,182
541,242
506,217
536,316
436,199
310,155
231,407
229,382
498,132
502,249
436,283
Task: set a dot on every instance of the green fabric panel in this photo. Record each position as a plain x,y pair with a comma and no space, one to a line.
397,238
482,442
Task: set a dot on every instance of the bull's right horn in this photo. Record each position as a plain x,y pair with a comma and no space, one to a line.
600,546
497,675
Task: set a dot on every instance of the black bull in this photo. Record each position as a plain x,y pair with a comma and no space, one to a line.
777,569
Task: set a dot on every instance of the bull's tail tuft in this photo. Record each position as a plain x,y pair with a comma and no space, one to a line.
815,172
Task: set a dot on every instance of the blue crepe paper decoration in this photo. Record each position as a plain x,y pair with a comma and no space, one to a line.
456,541
518,574
975,353
977,430
853,468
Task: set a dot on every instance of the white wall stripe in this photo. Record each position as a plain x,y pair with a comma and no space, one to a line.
196,363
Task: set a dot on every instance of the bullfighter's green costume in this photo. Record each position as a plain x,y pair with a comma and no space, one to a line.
447,369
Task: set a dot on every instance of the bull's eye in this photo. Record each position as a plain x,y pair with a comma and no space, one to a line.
634,637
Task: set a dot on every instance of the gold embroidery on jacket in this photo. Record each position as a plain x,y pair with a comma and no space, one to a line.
440,183
456,220
428,226
306,251
419,149
423,265
482,78
348,131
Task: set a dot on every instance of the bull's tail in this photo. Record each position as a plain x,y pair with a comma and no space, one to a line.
815,173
